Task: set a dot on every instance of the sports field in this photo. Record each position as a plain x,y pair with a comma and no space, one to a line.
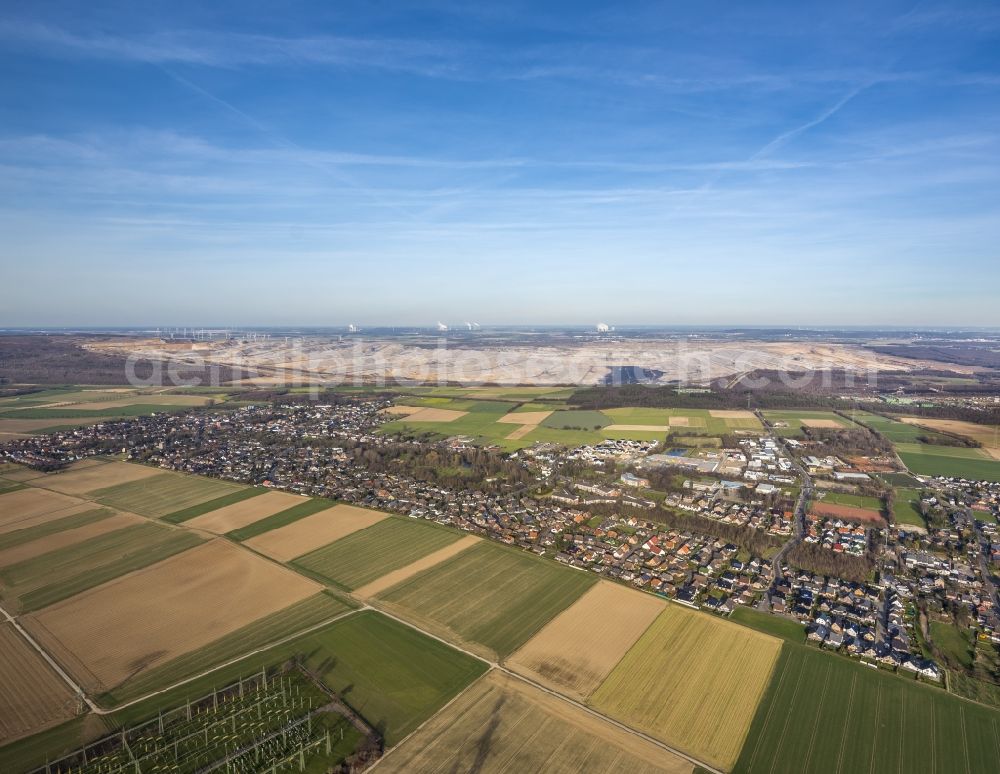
489,595
501,724
580,646
163,493
693,681
827,714
315,531
834,510
89,478
32,695
108,634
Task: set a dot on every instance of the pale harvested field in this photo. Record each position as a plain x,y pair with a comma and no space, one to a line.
246,512
68,537
402,410
32,696
694,682
27,507
680,421
522,431
524,418
821,423
312,532
100,476
580,646
642,428
398,576
146,618
731,414
436,415
501,724
986,434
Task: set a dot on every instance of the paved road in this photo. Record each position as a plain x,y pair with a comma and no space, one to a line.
799,520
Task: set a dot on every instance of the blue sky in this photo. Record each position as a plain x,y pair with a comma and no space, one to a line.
368,162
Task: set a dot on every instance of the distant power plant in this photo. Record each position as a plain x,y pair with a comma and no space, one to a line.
442,327
604,328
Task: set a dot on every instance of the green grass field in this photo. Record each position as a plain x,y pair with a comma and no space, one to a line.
957,461
57,575
823,713
897,432
394,676
213,505
576,420
952,642
490,594
776,626
164,494
309,612
19,537
905,507
370,553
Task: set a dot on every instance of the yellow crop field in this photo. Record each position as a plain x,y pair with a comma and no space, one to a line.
501,724
693,681
32,696
80,480
579,647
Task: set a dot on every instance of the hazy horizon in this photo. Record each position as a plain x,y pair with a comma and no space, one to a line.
776,164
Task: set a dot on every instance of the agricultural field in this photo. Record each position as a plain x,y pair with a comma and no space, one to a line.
501,724
822,713
693,681
576,420
56,575
28,507
78,480
367,554
986,435
315,531
897,432
793,421
17,536
73,530
391,674
164,493
489,596
958,461
580,646
306,506
106,634
395,577
243,511
32,695
310,612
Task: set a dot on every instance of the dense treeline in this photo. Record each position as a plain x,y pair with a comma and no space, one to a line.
755,541
848,441
821,561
